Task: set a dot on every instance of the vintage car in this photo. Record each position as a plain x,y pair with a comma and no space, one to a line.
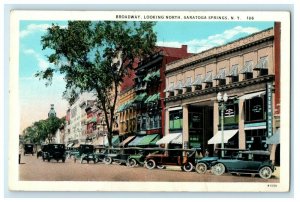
28,149
55,151
85,153
176,157
245,162
43,149
118,155
205,163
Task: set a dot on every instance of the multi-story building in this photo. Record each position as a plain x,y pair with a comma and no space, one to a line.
247,70
75,127
141,115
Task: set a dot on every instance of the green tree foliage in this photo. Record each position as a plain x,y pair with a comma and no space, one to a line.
42,130
95,57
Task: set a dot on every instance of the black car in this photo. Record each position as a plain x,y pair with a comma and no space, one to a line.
246,162
85,153
41,152
28,149
56,152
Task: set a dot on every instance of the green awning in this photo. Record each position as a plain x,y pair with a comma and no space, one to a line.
155,74
148,99
147,78
140,97
146,140
153,98
115,141
135,141
121,108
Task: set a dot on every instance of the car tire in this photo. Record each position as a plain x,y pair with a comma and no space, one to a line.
63,160
161,167
107,160
188,167
265,172
131,163
201,168
150,164
218,169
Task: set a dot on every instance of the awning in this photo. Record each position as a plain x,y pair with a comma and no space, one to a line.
177,140
252,95
114,141
146,140
217,138
140,97
136,140
124,142
168,138
275,138
70,144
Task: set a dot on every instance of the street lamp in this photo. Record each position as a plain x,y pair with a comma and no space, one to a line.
222,100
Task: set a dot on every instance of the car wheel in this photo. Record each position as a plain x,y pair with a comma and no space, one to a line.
161,167
218,169
131,163
150,164
188,167
201,168
265,172
107,160
63,160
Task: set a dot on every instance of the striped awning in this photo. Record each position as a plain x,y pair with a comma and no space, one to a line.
168,138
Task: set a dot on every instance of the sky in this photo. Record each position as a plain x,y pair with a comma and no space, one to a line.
36,98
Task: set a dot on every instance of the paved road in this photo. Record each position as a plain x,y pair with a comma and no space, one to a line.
33,169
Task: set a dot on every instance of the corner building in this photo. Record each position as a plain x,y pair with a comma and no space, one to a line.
248,71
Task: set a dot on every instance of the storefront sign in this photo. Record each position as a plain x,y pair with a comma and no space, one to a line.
257,109
269,110
229,112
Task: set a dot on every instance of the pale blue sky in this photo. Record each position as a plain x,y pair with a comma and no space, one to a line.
35,98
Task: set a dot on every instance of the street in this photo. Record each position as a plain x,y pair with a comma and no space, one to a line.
33,169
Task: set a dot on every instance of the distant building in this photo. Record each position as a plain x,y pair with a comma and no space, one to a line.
52,112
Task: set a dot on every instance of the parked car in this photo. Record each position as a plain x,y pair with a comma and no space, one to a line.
55,151
177,157
246,162
85,153
28,149
205,163
41,152
118,155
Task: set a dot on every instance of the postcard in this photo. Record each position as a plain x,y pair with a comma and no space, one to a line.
149,101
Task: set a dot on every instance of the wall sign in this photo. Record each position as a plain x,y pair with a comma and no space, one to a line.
269,110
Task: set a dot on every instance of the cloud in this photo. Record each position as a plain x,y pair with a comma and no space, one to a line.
199,45
42,63
32,28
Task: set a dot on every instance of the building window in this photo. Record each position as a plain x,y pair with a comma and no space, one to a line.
198,82
179,87
170,89
255,109
221,77
262,66
233,74
208,80
256,139
231,114
188,84
175,121
247,70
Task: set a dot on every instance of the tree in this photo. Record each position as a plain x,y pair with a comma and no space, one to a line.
95,57
42,130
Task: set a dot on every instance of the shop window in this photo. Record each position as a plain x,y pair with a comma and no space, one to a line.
256,139
196,120
144,123
188,84
208,80
157,121
175,120
231,114
255,109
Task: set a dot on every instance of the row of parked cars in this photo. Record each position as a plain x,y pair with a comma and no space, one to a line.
235,161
